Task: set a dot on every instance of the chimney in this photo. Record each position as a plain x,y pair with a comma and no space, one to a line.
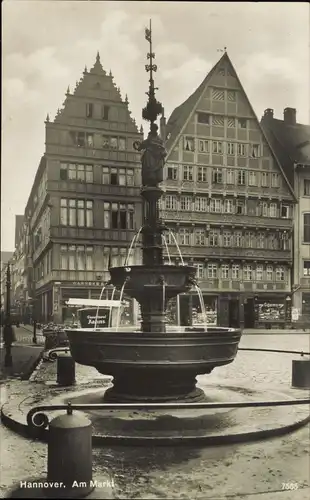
289,116
268,114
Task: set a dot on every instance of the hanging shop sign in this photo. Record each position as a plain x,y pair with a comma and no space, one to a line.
91,317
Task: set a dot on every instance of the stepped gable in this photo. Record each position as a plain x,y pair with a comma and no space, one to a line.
96,84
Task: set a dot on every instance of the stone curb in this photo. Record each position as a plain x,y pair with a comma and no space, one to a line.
25,431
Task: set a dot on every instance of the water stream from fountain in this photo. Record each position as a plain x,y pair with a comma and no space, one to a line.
133,245
202,304
177,245
167,249
119,308
100,297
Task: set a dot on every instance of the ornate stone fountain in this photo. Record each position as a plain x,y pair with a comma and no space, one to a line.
156,362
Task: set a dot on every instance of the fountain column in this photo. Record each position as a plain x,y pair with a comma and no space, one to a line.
153,301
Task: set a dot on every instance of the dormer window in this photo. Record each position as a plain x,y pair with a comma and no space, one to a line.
203,118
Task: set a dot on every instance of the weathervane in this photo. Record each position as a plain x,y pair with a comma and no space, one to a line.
153,108
222,50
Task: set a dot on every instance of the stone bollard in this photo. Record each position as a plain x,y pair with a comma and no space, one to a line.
301,373
65,369
69,459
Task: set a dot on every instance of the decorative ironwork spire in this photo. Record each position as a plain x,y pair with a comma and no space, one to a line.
153,108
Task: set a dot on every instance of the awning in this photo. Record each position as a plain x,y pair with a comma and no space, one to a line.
93,303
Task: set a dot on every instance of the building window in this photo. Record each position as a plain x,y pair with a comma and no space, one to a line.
201,204
231,122
217,147
241,177
241,149
89,109
187,173
203,118
269,273
265,179
230,176
113,143
227,239
217,121
202,174
259,273
242,122
105,112
249,239
217,176
255,150
231,148
240,207
248,273
285,211
200,270
228,207
90,140
306,228
275,180
253,178
212,271
213,238
105,141
186,203
80,139
231,95
121,216
189,144
238,239
118,176
235,272
122,143
203,146
106,216
171,202
215,206
306,268
184,236
172,172
199,237
273,210
306,187
260,241
76,257
217,95
225,271
280,274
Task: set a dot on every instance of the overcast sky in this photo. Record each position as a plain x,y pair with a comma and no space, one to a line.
46,45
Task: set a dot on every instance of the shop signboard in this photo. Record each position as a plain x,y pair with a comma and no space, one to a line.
93,317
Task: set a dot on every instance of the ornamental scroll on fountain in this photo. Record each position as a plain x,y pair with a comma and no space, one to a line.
156,362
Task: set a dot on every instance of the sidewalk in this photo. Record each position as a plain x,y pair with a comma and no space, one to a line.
25,359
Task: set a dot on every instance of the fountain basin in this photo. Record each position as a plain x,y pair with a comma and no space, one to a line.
154,367
141,279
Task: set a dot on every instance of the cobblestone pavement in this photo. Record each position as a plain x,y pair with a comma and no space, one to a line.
273,469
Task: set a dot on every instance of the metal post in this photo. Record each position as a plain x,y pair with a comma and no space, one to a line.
7,330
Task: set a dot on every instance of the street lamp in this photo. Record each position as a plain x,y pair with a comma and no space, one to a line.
34,336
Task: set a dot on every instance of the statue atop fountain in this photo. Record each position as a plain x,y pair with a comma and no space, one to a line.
153,158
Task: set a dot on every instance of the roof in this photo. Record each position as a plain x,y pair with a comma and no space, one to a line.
182,113
291,143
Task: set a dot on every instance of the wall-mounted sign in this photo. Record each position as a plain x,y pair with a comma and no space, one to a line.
91,318
86,283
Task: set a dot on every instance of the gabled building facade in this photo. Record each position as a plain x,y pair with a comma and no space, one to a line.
291,142
230,206
84,207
